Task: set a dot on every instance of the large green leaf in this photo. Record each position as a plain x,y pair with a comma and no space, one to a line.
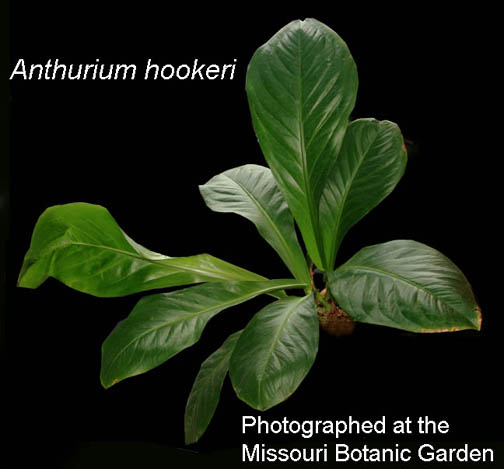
82,246
251,191
275,352
407,285
164,324
206,389
301,87
371,162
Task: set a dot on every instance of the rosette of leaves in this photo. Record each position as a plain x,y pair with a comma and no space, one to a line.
325,173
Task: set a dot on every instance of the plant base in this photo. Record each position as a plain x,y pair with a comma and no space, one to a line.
335,321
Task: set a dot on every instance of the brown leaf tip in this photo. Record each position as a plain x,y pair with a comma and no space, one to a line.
448,329
480,318
455,329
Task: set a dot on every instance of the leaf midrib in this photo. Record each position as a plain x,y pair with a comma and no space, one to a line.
313,213
218,308
402,279
275,341
337,224
173,261
221,365
272,225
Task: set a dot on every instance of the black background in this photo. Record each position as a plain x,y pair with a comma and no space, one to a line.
141,148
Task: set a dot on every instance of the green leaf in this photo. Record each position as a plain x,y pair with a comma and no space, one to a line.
371,162
275,352
301,87
251,191
164,324
82,246
407,285
206,389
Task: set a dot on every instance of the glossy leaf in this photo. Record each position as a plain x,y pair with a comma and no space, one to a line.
275,352
407,285
301,87
252,192
82,246
164,324
371,162
205,393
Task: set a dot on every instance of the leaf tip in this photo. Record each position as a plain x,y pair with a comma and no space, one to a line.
24,282
476,325
480,318
107,384
190,440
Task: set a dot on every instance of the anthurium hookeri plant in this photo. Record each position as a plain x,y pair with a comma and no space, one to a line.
325,173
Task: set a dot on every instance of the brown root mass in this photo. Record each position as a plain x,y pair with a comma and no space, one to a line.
335,321
332,319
